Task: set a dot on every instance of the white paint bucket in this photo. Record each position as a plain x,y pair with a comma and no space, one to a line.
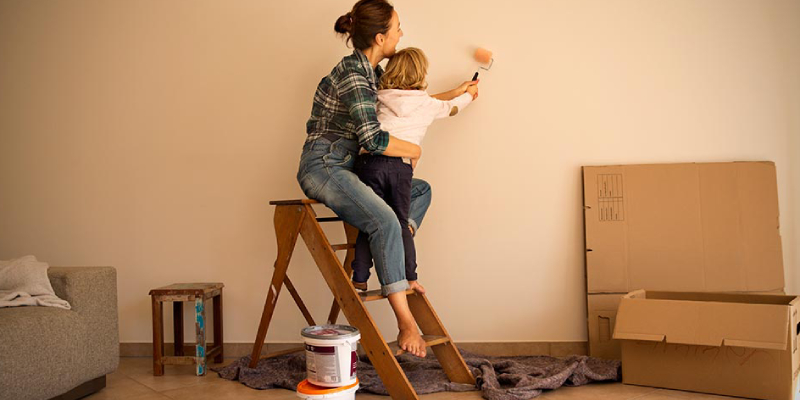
307,390
331,356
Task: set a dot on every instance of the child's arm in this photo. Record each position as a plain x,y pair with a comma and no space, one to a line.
449,108
452,94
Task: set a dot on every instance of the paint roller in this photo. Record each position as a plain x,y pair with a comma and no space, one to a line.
483,56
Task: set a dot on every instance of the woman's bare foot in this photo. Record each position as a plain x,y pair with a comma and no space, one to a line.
408,339
416,286
411,341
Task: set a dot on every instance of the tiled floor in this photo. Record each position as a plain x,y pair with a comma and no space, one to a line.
134,380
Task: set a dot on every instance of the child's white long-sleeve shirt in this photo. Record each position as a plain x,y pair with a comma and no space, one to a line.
406,114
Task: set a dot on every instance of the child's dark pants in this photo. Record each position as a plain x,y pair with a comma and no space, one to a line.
390,178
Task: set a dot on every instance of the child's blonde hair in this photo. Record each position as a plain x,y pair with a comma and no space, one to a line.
406,70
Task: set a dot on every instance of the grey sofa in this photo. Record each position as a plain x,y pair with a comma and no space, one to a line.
52,353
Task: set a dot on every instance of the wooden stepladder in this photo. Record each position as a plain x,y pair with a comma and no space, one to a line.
295,218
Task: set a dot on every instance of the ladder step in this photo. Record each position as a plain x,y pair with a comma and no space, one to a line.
328,219
430,341
372,295
337,247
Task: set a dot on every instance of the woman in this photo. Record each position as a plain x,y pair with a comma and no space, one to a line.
343,118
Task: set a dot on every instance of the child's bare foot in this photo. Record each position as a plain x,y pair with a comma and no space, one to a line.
416,286
411,341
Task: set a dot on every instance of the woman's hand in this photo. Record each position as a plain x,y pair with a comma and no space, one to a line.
401,148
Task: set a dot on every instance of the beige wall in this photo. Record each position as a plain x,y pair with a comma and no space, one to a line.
149,135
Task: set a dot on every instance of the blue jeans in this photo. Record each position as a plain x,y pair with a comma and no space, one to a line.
326,174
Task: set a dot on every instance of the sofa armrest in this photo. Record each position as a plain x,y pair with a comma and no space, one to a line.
92,293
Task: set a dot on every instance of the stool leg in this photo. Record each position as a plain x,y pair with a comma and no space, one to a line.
200,327
158,337
218,340
177,321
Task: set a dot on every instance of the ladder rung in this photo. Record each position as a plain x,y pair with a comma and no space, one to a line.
337,247
372,295
282,352
328,219
430,341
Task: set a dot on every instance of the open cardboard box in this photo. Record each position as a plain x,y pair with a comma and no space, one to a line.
728,344
695,227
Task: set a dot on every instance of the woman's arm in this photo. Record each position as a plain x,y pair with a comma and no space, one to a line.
401,148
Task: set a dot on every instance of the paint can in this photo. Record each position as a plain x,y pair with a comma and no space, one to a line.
331,356
307,390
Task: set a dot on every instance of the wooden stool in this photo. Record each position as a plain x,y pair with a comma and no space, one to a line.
178,293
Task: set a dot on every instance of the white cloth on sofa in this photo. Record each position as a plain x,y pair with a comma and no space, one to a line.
24,282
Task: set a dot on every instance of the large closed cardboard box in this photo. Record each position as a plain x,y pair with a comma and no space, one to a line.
702,227
728,344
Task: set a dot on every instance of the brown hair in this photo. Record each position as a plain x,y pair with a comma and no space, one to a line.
406,70
367,19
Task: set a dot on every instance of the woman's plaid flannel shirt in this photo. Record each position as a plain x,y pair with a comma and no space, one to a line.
345,104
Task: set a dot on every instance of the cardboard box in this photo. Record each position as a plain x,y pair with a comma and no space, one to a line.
602,318
700,227
728,344
683,227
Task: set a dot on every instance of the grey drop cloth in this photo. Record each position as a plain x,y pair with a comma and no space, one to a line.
500,378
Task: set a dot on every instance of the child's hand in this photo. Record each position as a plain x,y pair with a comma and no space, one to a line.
463,88
473,90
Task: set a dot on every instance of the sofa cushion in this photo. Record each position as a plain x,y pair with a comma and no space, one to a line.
24,282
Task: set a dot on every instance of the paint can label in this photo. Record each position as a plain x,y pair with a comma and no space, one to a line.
353,360
322,364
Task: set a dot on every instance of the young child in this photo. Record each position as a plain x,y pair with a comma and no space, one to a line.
405,110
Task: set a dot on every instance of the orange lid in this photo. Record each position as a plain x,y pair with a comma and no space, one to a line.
306,387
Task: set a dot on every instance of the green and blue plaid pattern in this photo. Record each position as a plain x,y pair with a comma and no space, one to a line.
345,104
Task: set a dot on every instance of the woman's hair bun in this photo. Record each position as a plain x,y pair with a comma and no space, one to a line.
367,19
344,24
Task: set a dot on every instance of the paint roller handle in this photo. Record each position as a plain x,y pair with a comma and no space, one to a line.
475,77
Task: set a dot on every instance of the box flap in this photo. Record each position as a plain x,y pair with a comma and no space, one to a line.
706,323
689,227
